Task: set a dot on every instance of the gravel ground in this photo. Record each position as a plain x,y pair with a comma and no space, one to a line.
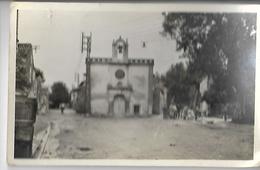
146,138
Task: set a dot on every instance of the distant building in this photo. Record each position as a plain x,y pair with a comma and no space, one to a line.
78,98
159,96
43,100
73,97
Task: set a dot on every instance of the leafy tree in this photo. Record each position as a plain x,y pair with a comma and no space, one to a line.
178,85
39,73
59,94
219,45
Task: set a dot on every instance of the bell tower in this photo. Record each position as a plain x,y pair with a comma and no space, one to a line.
120,49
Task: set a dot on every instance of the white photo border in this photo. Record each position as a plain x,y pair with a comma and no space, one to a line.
130,7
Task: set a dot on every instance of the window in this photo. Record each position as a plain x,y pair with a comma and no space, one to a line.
120,74
120,49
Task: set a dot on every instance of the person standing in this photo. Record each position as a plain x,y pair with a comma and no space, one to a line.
62,107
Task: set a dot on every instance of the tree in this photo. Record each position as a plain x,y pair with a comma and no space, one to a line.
178,85
59,94
219,45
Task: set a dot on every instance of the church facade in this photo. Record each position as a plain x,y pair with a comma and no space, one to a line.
121,86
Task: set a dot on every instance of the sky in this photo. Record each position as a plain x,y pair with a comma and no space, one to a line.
57,36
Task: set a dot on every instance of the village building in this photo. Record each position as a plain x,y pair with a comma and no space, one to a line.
25,70
43,101
78,98
159,96
120,86
30,98
29,79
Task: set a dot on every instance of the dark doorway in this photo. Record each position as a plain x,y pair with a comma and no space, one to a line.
136,109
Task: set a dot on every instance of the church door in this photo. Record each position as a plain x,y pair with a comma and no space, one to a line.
119,106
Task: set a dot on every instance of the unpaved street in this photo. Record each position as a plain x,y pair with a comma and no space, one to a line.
75,136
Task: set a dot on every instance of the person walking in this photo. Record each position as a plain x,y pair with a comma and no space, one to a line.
62,108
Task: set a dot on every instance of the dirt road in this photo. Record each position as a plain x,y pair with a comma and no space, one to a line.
76,136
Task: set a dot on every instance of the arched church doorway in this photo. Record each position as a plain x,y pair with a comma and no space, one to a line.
119,107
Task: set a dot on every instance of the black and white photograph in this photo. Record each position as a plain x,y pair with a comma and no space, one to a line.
134,84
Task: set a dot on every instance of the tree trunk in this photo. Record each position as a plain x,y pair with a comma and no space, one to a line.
196,99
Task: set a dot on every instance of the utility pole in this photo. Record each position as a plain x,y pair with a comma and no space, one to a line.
86,46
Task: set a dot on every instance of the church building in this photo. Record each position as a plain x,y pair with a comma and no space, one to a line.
121,86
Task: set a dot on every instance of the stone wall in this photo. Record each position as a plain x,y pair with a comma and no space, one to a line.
100,78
